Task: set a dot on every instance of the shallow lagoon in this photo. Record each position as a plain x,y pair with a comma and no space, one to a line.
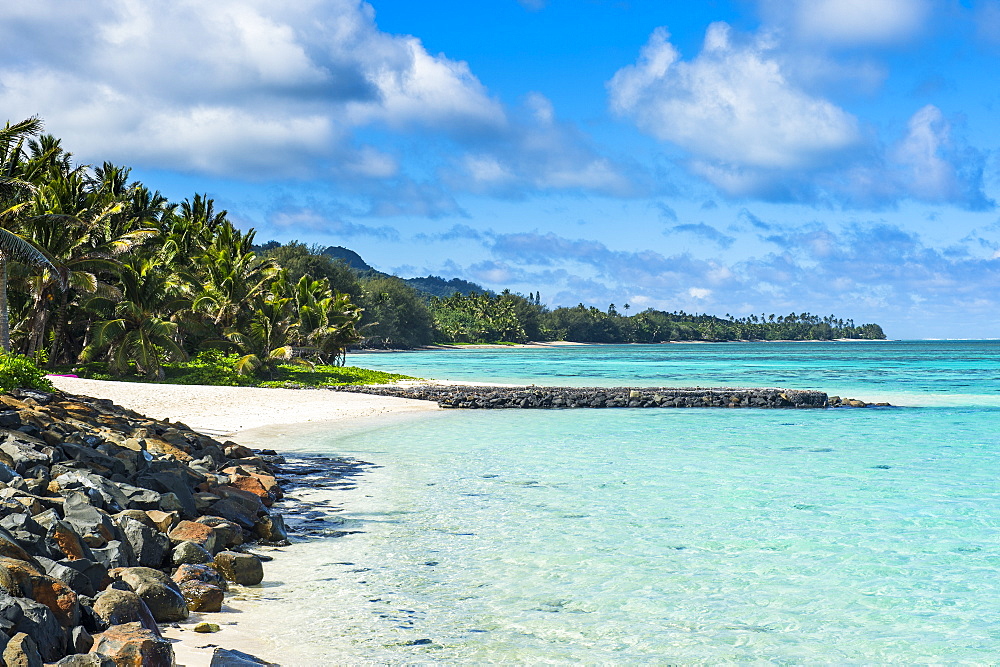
652,535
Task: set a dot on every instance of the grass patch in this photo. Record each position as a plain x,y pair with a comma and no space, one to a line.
217,369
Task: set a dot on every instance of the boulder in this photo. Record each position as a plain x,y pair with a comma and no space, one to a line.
94,525
80,641
240,568
115,607
39,623
9,548
270,529
21,651
202,597
132,644
204,573
114,554
73,578
164,521
192,531
22,452
227,533
86,660
160,593
149,546
235,511
21,579
223,657
189,552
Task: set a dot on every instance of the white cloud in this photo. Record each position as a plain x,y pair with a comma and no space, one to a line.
920,156
731,108
849,22
228,86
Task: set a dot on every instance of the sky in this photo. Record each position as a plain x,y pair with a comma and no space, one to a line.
741,157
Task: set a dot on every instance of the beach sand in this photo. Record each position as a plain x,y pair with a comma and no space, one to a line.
223,412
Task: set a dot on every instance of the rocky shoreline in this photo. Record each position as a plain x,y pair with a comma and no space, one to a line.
491,397
112,523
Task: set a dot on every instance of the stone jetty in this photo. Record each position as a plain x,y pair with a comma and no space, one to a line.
491,397
112,523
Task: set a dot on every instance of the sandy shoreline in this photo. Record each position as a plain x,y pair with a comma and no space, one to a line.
224,412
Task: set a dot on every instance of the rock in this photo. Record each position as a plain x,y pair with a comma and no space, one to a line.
263,486
114,554
164,521
68,542
9,548
80,641
132,644
189,552
235,511
94,525
94,571
160,593
222,657
206,627
245,569
149,545
227,533
204,573
40,623
192,531
21,651
116,607
202,597
21,579
270,529
23,455
86,660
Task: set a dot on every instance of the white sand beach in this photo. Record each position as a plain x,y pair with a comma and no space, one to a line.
224,412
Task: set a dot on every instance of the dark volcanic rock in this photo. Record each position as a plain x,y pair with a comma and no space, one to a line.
600,397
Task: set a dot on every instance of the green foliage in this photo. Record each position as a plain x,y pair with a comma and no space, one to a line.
484,318
395,315
214,367
210,367
19,372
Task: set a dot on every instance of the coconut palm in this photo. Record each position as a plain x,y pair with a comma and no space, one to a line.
140,331
14,190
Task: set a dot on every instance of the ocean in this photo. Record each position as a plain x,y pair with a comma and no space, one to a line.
660,535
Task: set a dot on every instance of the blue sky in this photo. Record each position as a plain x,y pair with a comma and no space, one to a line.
832,156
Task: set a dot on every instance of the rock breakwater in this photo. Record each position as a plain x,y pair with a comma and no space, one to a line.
486,397
112,523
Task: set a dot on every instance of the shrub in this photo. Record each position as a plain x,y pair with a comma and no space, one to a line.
19,372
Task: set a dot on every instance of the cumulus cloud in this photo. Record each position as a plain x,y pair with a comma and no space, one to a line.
732,106
849,22
749,127
266,90
232,86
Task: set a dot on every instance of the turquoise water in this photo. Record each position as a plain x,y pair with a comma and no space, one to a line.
911,372
654,536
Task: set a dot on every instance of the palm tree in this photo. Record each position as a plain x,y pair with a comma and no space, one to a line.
140,331
13,246
13,189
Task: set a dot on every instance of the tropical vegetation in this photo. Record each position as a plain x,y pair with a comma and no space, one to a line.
101,274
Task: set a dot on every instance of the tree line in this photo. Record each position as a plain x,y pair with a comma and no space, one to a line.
96,266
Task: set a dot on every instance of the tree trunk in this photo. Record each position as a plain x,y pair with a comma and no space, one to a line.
4,315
